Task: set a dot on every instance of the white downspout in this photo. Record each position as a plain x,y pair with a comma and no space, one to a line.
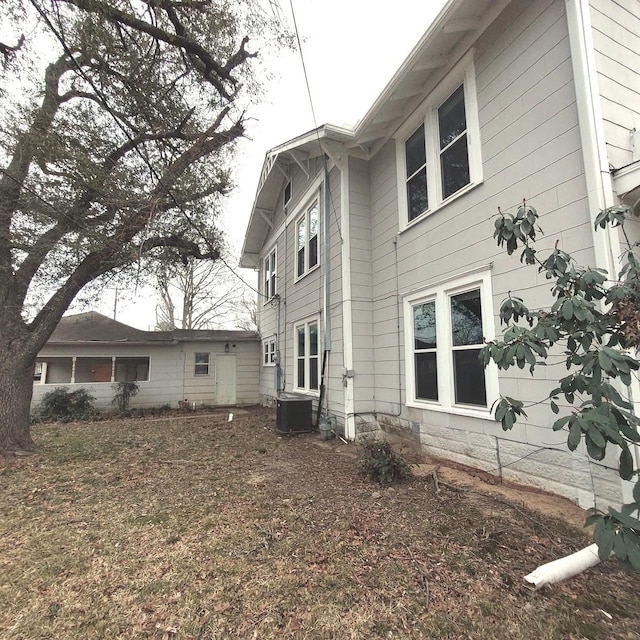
563,568
347,315
327,257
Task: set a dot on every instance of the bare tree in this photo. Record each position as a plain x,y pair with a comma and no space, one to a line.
209,295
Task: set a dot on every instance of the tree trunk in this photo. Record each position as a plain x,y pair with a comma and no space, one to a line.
16,382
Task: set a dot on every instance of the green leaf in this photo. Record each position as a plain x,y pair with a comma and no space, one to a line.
559,424
508,420
605,361
575,433
596,436
594,450
636,491
626,464
624,519
620,548
567,309
555,409
633,553
592,519
605,545
501,410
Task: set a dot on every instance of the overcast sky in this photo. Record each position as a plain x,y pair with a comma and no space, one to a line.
351,50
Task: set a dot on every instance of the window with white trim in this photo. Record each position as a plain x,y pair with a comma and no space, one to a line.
306,356
439,156
445,328
201,364
307,228
269,352
269,275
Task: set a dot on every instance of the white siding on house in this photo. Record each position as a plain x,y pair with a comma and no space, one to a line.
530,149
171,372
165,380
303,298
361,286
616,40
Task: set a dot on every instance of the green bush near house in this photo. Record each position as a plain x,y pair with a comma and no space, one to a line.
62,405
381,463
124,391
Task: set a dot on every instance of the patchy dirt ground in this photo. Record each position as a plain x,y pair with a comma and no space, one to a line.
196,527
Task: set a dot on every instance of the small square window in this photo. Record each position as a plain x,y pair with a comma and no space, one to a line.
269,352
201,367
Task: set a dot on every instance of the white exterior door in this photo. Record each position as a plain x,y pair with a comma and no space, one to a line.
225,379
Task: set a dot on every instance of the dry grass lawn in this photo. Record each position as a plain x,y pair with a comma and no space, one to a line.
194,527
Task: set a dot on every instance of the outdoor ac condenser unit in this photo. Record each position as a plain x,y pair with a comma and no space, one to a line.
294,415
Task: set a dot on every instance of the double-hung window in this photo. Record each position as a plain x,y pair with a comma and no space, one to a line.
269,275
201,365
269,352
446,327
439,155
307,227
306,355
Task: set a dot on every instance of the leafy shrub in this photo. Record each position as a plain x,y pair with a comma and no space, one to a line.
61,405
381,463
124,392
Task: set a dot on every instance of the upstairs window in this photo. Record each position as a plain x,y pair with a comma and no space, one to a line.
269,275
416,169
286,194
440,157
307,228
454,156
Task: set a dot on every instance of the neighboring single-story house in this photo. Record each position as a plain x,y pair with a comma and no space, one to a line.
205,367
379,274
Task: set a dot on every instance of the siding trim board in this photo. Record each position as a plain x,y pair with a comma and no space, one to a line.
347,311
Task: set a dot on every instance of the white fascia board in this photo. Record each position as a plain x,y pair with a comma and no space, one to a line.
627,179
594,151
424,43
419,58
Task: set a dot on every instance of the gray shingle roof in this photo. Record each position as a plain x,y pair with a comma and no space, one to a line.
94,327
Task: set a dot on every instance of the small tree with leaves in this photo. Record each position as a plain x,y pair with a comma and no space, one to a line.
596,321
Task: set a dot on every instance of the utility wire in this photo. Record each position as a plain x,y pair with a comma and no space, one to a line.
313,111
304,66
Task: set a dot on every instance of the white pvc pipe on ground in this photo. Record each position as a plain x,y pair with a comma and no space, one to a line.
563,568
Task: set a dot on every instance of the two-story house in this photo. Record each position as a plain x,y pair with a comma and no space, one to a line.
379,275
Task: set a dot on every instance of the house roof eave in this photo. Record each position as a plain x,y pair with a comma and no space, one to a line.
455,30
310,144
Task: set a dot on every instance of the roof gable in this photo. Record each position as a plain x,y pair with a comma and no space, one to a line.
454,31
